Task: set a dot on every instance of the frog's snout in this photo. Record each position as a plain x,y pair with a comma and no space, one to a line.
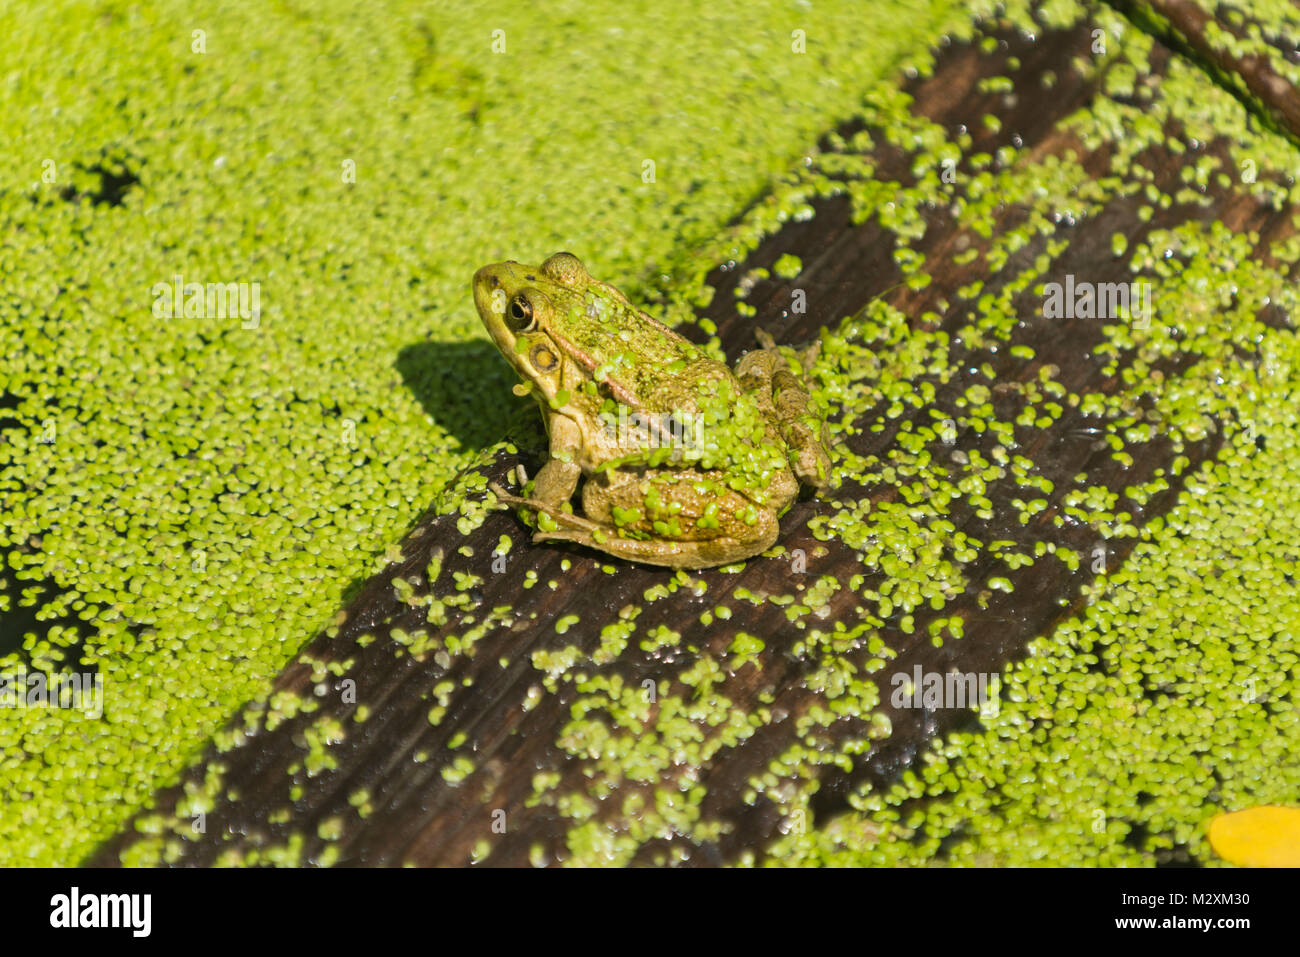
486,282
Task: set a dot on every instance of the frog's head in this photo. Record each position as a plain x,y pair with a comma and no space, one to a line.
522,306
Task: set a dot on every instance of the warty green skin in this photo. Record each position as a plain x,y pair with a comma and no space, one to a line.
710,460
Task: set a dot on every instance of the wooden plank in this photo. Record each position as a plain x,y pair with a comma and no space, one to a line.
322,785
1255,62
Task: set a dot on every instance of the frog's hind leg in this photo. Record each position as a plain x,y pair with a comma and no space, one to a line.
691,554
765,373
538,505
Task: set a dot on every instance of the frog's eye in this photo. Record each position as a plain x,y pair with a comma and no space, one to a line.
543,359
519,314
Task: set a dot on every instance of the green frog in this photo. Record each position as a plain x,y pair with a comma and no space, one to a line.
684,463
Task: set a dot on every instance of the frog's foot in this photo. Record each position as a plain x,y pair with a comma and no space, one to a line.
782,394
807,356
765,340
560,516
702,554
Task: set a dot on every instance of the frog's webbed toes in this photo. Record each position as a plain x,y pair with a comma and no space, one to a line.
812,464
808,358
807,355
505,499
555,513
565,520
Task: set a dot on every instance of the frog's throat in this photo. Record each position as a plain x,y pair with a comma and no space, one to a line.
583,357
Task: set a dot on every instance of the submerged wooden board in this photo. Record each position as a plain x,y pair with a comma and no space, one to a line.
1251,65
388,790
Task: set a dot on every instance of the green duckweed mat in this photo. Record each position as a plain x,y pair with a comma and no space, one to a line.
184,500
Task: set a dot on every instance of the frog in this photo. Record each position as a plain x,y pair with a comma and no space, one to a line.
684,462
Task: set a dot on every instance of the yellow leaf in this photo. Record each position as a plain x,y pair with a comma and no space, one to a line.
1258,837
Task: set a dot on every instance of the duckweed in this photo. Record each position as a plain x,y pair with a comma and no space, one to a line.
184,499
1182,666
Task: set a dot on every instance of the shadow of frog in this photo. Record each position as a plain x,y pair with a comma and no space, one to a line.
464,386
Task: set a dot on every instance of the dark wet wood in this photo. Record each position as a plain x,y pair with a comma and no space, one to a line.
1184,25
418,817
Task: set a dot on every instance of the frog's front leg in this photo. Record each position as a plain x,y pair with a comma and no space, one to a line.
555,483
557,480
